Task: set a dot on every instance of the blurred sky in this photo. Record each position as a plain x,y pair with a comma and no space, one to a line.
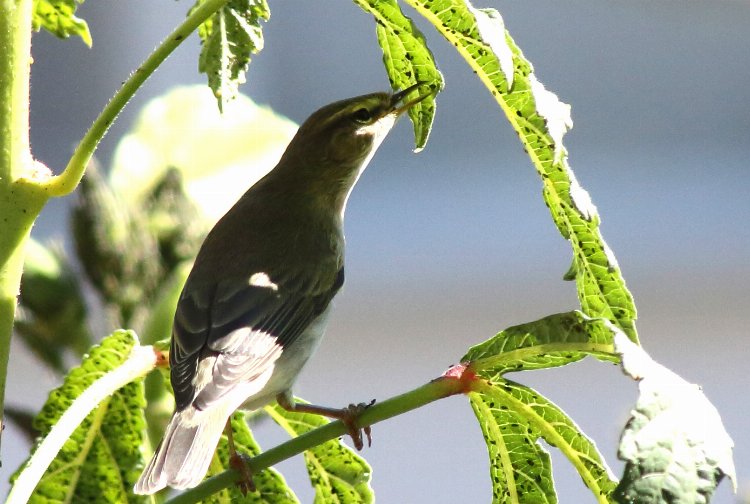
448,246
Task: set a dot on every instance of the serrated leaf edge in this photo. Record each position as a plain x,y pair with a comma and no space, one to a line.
551,436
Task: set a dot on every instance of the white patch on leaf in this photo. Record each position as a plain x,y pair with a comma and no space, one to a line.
673,414
612,263
492,30
581,198
555,112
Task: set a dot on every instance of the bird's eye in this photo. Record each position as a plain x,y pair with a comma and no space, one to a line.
362,115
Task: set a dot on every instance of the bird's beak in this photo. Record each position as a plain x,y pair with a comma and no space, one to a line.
396,100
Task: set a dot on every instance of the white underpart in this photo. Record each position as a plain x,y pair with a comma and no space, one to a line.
279,374
291,362
379,130
219,412
262,280
244,343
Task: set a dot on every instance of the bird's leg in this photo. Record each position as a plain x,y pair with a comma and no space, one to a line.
238,462
349,416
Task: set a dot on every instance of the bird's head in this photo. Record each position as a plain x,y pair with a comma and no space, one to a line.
348,131
335,144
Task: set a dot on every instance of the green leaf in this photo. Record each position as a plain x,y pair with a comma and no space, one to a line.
158,324
228,38
674,444
555,340
101,461
540,120
336,472
270,484
57,17
407,61
513,419
520,469
116,249
173,219
51,317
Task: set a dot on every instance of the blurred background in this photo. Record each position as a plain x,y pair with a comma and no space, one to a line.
449,246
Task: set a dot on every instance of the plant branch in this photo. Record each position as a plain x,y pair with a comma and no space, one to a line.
67,181
445,386
18,208
15,65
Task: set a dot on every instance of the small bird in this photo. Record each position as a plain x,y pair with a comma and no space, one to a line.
255,305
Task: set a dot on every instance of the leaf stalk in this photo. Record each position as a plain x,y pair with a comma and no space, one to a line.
66,182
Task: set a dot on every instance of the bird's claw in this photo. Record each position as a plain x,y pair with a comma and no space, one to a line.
238,462
350,418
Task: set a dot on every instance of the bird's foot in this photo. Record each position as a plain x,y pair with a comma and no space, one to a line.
349,416
238,462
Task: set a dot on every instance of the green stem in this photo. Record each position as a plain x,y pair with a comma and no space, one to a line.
18,207
436,389
67,181
15,48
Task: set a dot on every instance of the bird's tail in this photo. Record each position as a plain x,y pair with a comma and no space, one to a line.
182,458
